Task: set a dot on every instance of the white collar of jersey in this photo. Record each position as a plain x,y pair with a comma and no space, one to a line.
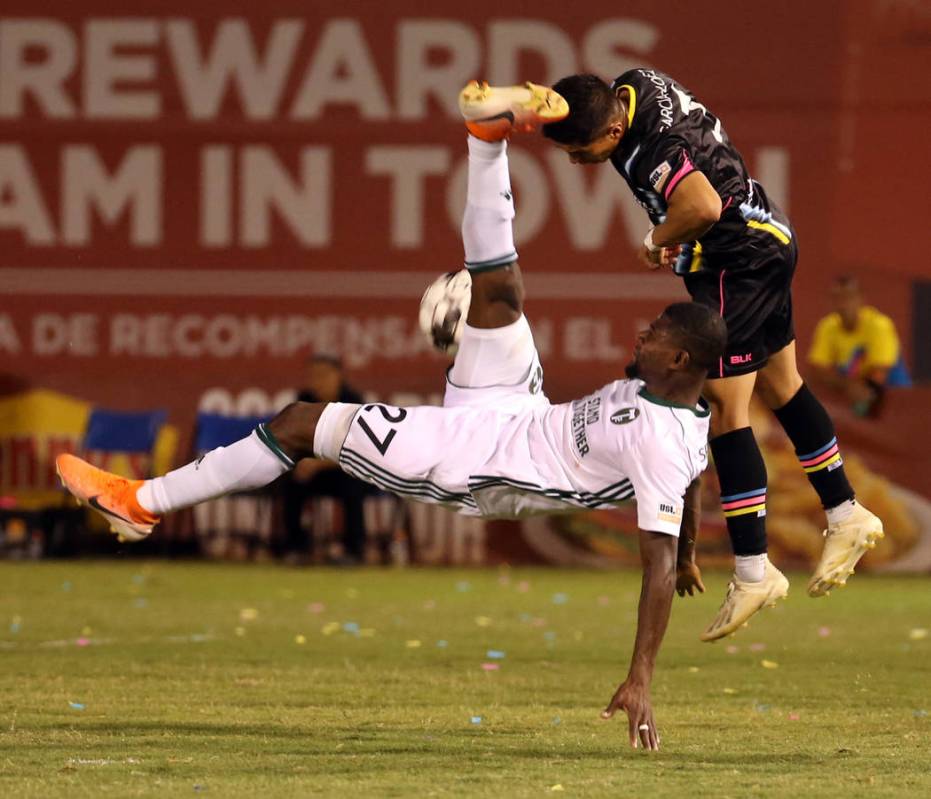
701,410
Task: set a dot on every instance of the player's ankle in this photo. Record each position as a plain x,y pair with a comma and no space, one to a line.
750,568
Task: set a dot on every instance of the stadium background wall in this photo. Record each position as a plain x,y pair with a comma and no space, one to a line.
191,198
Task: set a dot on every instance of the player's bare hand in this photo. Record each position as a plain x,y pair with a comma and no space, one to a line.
655,259
688,579
634,699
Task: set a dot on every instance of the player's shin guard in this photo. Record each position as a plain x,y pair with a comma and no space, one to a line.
811,431
487,233
742,474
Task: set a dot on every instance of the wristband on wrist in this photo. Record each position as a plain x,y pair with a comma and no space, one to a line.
648,242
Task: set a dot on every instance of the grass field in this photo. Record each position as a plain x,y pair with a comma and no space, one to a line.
156,679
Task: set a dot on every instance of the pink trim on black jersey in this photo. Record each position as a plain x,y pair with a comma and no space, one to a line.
686,168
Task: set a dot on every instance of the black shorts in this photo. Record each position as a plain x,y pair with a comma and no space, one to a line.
755,299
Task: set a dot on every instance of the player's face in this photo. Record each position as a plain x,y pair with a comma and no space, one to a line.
599,149
654,351
595,152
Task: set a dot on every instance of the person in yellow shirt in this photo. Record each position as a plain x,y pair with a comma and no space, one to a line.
856,350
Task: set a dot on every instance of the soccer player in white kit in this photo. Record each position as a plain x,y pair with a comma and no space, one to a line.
497,447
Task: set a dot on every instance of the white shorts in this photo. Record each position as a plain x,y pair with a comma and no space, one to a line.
430,454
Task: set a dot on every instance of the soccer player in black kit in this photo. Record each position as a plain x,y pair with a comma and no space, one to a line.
736,252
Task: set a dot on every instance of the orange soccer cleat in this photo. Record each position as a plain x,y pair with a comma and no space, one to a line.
112,496
492,113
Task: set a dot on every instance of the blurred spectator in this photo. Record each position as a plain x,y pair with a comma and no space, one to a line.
323,382
856,350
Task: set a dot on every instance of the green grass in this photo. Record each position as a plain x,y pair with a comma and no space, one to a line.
176,702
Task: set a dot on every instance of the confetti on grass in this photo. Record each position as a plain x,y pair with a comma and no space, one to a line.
560,599
495,654
769,664
330,627
483,621
412,644
248,614
491,666
731,649
918,634
476,719
300,640
824,632
757,647
76,705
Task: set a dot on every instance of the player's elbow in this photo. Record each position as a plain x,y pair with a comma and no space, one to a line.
708,210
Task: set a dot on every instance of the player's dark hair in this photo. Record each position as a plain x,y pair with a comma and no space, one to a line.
700,332
592,108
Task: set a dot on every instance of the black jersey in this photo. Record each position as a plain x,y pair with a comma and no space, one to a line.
669,135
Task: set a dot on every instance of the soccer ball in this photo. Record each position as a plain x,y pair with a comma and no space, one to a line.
444,308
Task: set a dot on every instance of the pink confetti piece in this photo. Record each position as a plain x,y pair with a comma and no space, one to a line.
491,666
523,586
83,641
757,647
824,632
731,649
316,607
604,601
794,717
430,604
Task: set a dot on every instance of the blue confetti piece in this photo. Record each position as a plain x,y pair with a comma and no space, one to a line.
495,654
476,719
557,720
14,627
463,585
560,599
549,635
351,627
66,586
76,706
442,644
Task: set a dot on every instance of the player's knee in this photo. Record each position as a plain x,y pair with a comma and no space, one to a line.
727,416
294,428
497,296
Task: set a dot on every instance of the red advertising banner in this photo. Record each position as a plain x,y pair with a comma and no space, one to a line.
194,197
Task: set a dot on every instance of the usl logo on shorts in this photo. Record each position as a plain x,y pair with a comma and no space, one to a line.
625,415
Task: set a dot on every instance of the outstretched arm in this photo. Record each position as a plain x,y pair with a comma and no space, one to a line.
658,556
688,575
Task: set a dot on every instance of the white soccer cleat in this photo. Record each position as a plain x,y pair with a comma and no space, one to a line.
844,544
492,113
745,599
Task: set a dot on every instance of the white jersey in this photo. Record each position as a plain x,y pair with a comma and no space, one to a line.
498,448
533,457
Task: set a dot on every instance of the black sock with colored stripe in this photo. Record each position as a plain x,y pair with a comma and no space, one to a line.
742,474
811,431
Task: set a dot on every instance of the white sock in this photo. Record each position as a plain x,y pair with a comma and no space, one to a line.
750,568
249,463
840,513
487,232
